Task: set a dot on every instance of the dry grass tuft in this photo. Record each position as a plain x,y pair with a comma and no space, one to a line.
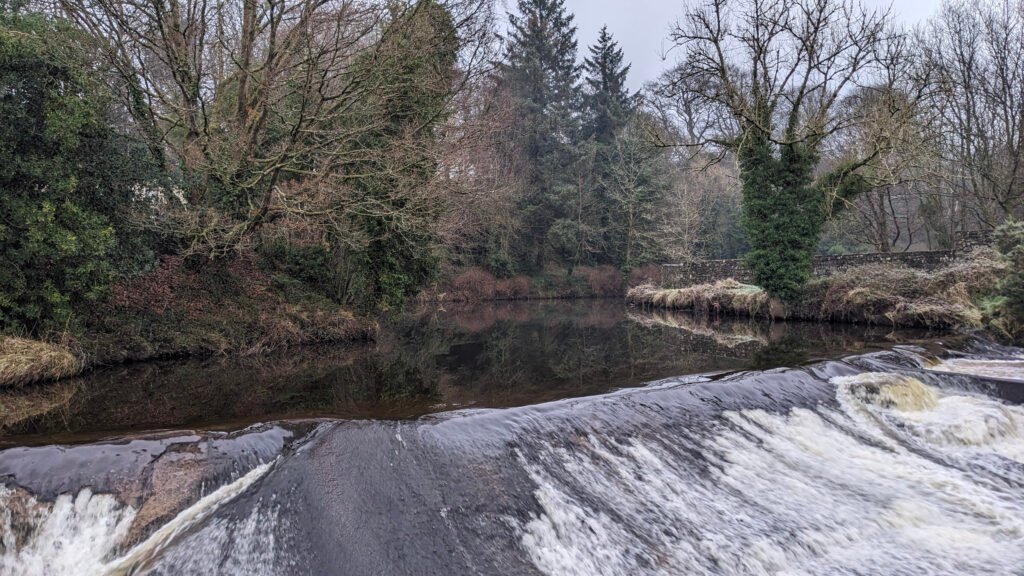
722,297
24,361
898,296
871,294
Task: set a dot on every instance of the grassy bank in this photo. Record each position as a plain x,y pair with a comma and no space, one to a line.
177,311
954,297
25,361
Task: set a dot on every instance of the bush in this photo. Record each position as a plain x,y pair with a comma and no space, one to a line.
1009,239
515,288
1003,310
310,264
60,192
601,281
891,295
649,274
472,285
55,258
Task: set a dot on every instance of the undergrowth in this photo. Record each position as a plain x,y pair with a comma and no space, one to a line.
951,297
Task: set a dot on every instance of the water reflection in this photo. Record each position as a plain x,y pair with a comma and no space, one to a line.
491,355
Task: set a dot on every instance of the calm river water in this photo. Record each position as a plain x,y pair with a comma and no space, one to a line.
531,438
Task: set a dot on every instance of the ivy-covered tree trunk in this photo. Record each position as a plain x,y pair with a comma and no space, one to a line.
776,80
783,213
417,57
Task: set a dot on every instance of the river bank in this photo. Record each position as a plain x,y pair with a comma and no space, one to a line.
178,311
495,354
554,283
241,310
957,296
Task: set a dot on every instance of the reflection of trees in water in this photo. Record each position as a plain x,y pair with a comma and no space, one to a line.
47,401
771,344
561,349
486,355
311,382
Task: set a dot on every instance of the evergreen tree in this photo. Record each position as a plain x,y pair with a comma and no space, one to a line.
65,175
541,77
609,109
609,104
634,180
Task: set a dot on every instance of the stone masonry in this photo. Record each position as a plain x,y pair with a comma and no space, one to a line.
708,271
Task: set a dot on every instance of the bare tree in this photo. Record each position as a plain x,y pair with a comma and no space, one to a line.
265,107
976,52
773,73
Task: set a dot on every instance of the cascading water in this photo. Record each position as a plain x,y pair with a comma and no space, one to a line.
882,464
898,479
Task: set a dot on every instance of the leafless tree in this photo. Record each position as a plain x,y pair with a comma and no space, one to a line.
976,52
263,107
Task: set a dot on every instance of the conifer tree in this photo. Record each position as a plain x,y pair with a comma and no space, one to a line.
609,109
609,104
541,76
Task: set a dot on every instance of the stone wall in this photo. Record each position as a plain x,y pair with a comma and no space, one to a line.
967,241
708,271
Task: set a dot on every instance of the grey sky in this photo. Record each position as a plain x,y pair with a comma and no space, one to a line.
641,27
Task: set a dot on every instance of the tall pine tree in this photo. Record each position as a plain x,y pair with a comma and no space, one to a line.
620,171
541,77
609,105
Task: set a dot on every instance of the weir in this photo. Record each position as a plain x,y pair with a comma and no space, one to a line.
892,462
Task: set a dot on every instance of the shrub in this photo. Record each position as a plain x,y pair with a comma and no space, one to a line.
601,281
313,265
892,295
65,174
649,274
1009,240
472,285
515,288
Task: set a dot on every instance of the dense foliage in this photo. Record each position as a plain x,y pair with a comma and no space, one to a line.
64,175
418,53
1010,243
785,208
366,152
588,183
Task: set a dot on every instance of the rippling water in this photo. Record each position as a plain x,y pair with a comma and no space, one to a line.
901,461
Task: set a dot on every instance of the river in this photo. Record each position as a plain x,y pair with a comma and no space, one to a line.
535,438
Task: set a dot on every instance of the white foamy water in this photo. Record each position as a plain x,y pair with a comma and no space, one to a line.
72,535
1011,369
901,479
81,535
246,545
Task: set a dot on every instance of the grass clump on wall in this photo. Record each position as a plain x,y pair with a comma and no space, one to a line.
950,297
722,297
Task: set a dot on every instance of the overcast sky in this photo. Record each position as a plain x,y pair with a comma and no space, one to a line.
641,27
